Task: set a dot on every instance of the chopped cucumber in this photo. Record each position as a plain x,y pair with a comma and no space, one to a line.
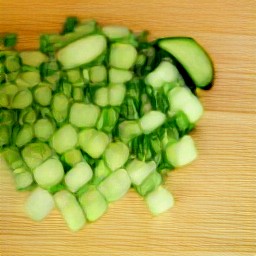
60,106
182,152
116,94
64,139
95,45
101,97
39,204
166,72
22,99
72,157
95,111
36,153
33,58
43,95
150,183
119,76
78,176
159,200
101,171
23,180
43,129
129,130
84,115
122,56
116,155
28,79
49,173
115,186
24,136
151,121
107,120
115,32
98,74
182,99
70,209
139,170
93,204
93,142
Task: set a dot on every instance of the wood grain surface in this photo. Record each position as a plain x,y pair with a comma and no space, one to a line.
215,211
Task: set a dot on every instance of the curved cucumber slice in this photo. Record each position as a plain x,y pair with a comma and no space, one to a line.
192,57
86,50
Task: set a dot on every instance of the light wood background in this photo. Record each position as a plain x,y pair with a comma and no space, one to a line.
215,211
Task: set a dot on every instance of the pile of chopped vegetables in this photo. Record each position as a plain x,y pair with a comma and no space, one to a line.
95,111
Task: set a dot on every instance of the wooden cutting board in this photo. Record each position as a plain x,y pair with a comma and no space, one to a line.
215,211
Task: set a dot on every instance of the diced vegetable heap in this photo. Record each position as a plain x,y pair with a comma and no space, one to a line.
97,111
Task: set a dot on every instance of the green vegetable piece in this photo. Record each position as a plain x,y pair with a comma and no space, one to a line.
12,157
33,58
93,204
43,95
22,99
95,45
23,180
119,76
98,74
39,204
166,72
27,115
159,200
49,173
44,129
101,97
86,27
64,139
101,171
151,183
78,94
12,63
122,56
114,32
192,57
78,176
60,107
107,120
151,121
182,99
129,130
115,186
25,135
28,79
36,153
70,209
116,155
116,94
75,77
93,142
140,170
182,152
84,115
7,93
85,73
73,157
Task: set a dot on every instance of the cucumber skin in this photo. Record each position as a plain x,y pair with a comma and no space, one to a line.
189,82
